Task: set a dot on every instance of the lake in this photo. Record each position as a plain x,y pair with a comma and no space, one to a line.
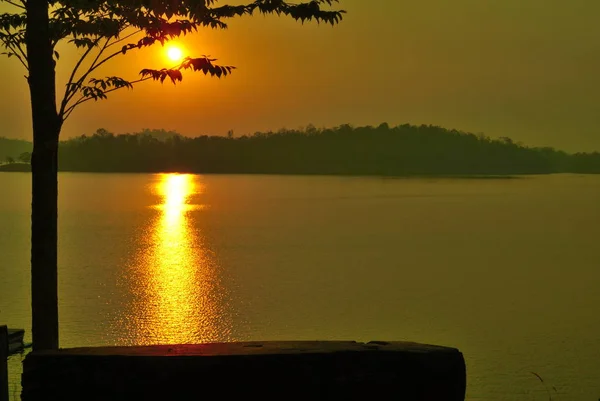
507,270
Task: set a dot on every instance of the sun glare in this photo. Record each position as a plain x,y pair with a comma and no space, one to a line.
179,299
174,53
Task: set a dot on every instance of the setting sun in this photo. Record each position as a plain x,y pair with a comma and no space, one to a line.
174,53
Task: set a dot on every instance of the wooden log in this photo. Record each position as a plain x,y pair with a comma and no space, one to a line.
3,363
305,370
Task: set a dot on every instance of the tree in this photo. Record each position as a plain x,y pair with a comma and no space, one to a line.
25,157
103,30
10,160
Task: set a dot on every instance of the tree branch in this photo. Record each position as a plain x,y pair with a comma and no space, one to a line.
16,49
70,90
93,67
68,96
21,6
83,99
20,49
125,37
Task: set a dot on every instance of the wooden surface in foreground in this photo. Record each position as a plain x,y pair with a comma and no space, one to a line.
290,370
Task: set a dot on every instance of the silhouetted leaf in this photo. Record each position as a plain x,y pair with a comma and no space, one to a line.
175,75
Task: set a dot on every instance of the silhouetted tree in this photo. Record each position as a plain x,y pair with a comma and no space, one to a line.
25,157
103,29
584,163
13,147
385,150
10,160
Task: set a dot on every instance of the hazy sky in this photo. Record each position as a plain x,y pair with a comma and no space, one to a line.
528,69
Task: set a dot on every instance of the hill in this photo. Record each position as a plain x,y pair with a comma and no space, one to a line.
383,150
12,148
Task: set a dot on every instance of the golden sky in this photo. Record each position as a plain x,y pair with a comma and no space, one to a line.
527,69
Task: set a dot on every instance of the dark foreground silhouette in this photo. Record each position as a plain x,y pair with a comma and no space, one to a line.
265,370
382,150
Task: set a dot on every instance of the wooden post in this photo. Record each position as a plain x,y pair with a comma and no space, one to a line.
3,363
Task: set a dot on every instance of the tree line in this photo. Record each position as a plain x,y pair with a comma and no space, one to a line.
383,150
13,150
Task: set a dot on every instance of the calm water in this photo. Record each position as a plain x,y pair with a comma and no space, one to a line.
506,270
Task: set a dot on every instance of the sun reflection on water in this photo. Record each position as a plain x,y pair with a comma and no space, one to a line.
179,289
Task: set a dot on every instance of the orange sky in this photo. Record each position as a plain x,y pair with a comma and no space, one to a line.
528,69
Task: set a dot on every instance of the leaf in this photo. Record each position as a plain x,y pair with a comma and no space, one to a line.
175,75
83,42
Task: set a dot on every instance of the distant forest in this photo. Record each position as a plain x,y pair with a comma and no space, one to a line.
11,149
383,150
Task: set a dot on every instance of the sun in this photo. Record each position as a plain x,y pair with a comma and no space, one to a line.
174,53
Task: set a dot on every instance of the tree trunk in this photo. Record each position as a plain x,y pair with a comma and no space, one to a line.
44,210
